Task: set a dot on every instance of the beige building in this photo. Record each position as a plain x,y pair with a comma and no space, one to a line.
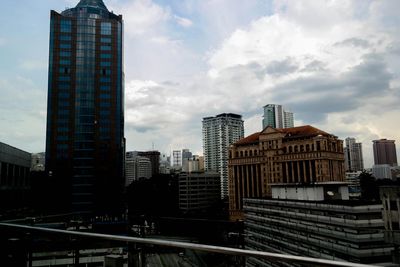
298,155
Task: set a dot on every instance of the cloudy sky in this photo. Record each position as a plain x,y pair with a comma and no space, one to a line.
335,64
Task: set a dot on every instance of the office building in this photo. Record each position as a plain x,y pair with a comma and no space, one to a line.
198,191
298,155
85,147
382,171
276,117
14,177
219,133
137,167
325,226
177,159
353,155
154,157
385,152
186,156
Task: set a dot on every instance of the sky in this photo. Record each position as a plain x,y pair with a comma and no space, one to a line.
334,64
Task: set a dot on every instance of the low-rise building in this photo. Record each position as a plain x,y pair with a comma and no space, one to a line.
328,226
14,177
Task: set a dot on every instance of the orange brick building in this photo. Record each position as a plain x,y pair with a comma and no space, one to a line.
298,155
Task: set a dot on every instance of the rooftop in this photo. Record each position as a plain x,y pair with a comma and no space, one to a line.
300,131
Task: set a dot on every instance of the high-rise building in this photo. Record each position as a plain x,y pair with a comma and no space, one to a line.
137,167
186,156
276,117
298,155
219,133
385,152
85,114
154,157
176,159
353,156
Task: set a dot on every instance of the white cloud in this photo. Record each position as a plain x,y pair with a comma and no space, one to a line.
323,59
184,22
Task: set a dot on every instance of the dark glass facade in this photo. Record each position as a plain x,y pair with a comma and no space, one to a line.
85,115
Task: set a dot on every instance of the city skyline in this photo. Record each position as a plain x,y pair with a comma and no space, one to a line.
218,50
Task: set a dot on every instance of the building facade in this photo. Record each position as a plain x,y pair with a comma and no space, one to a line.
154,157
337,230
85,147
276,117
137,167
353,155
219,133
299,155
198,191
177,159
14,177
385,152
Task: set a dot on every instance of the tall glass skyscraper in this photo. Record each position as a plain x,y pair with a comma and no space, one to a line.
85,115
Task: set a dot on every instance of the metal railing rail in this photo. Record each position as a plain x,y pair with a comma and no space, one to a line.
193,246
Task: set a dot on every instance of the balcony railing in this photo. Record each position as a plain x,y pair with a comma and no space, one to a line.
85,256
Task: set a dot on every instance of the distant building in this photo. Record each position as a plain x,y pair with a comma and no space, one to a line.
38,161
353,180
219,133
165,164
382,171
385,152
320,223
198,191
154,157
186,156
14,177
136,167
298,155
176,159
353,156
276,117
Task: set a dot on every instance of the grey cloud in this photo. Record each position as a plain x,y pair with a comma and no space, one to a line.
279,68
315,96
356,42
313,66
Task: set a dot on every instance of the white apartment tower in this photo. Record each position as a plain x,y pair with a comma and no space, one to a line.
353,156
219,133
277,117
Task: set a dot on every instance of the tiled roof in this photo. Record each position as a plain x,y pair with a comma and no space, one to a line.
249,139
306,130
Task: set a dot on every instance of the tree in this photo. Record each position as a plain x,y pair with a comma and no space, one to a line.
369,186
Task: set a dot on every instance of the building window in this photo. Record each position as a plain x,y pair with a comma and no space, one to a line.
64,70
105,48
65,46
65,54
65,38
105,40
105,87
64,78
65,25
106,28
105,55
105,64
65,62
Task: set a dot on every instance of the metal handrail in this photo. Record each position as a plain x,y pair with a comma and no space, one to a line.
192,246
